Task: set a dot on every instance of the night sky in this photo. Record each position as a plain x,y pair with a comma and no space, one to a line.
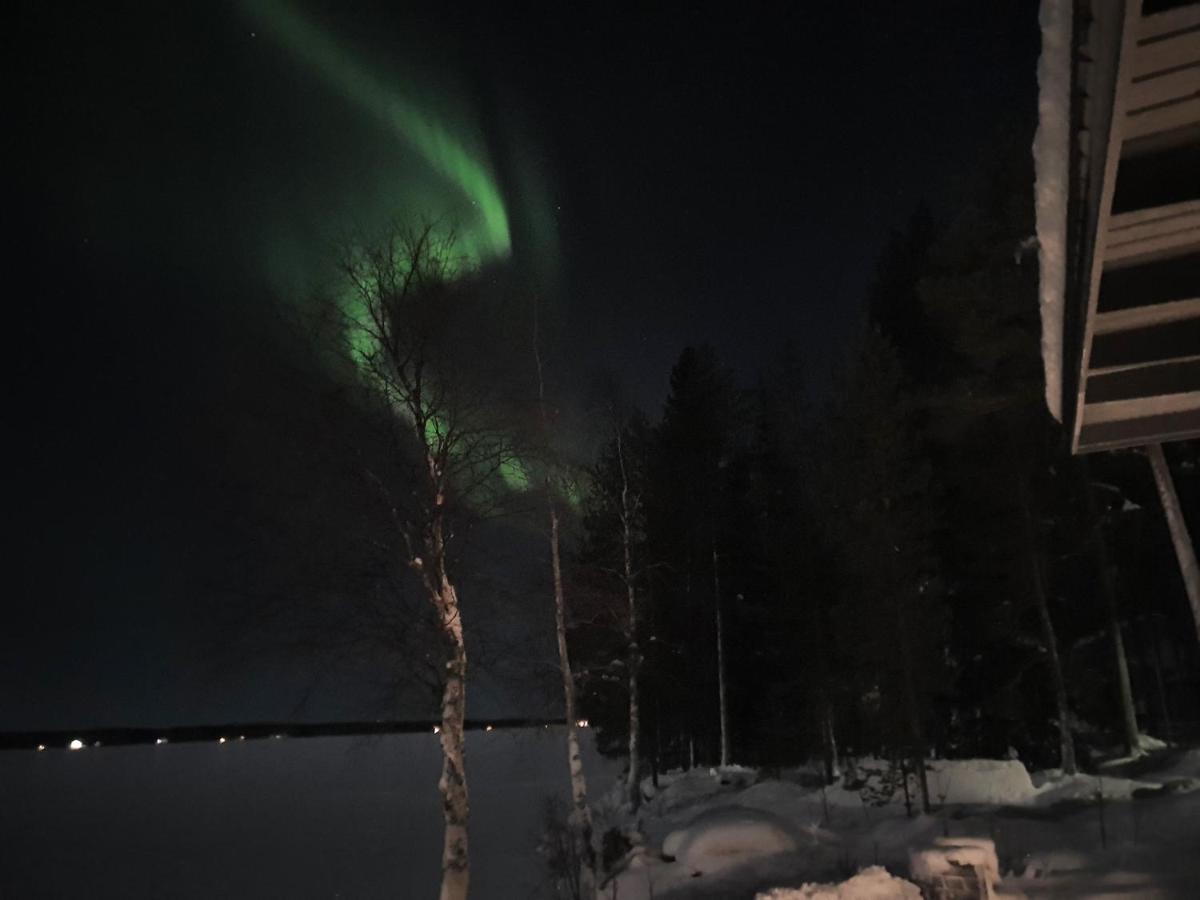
183,172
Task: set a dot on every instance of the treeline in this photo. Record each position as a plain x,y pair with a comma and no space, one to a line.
905,561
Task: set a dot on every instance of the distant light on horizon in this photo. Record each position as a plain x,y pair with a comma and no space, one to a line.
76,744
487,728
582,723
161,741
41,747
220,740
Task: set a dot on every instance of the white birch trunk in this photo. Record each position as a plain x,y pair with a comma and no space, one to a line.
722,708
915,728
581,813
1124,686
829,737
453,782
456,869
1066,742
1108,592
635,720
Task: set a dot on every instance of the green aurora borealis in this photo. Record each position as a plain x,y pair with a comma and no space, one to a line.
455,183
453,155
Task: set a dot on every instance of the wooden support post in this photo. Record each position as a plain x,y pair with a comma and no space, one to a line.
1185,550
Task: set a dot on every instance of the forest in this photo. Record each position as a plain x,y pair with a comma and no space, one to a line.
897,559
906,561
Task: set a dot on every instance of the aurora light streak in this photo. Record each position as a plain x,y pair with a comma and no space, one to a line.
464,190
456,157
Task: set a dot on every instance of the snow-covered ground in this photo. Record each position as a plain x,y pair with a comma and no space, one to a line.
299,817
730,834
355,817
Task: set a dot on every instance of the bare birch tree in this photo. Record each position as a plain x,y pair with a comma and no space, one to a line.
408,313
614,517
581,814
1066,743
722,706
1108,595
629,508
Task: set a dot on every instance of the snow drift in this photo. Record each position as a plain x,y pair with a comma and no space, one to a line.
874,883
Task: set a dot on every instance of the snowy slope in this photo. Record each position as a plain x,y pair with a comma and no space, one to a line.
1052,836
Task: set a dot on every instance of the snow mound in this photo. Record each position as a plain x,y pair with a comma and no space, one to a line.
728,834
1090,787
680,789
1181,785
1148,744
875,883
1185,764
1043,863
1003,782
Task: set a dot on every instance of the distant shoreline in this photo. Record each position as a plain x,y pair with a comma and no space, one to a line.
60,739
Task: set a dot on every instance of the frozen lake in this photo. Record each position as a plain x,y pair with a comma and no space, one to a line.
298,817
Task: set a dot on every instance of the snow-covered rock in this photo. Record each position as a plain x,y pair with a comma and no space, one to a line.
1004,782
682,789
874,883
952,859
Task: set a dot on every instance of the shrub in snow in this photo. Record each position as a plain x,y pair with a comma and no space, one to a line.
875,883
876,781
736,776
614,845
559,849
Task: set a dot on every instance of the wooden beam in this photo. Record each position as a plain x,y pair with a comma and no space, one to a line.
1157,379
1130,367
1147,249
1168,117
1150,216
1124,63
1138,432
1160,26
1156,231
1141,408
1145,316
1180,49
1156,343
1176,84
1150,283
